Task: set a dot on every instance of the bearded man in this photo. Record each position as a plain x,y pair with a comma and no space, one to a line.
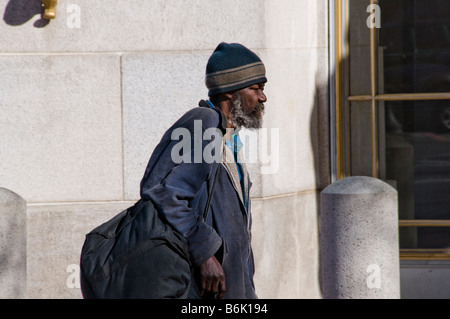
220,246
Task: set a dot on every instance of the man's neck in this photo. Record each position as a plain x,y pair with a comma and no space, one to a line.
224,104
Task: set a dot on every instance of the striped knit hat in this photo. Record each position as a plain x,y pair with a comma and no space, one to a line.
233,67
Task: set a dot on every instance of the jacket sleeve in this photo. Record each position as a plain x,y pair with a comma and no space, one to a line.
173,196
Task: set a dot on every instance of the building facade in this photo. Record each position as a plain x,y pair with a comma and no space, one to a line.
86,96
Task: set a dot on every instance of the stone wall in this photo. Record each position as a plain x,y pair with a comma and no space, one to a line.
85,97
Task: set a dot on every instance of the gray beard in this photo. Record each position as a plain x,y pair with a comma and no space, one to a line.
238,117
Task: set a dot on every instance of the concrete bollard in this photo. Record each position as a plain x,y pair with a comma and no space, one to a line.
13,245
359,240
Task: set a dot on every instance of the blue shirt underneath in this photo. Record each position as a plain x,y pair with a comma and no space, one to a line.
235,146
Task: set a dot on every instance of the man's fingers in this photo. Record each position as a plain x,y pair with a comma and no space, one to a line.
215,286
222,289
212,277
205,286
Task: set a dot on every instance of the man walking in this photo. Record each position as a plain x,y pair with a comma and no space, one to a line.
220,246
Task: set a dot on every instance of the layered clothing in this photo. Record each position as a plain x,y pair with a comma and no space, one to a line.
179,190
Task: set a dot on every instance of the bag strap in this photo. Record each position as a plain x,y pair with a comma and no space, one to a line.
223,128
205,213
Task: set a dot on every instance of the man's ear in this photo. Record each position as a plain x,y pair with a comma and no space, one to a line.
228,96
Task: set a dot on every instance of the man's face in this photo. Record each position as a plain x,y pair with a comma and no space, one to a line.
248,107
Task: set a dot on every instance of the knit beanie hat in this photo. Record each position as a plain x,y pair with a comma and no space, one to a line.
233,67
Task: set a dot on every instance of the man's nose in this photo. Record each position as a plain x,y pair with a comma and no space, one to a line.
262,97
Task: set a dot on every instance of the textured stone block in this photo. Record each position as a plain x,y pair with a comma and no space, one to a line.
425,279
56,234
297,106
285,244
60,129
296,24
157,89
135,25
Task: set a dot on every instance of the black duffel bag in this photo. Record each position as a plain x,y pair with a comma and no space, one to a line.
135,255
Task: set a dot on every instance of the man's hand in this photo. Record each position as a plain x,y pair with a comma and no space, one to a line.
212,278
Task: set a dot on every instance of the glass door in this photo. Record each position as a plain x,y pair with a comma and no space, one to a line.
392,115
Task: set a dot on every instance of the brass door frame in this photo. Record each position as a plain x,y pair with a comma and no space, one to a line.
339,114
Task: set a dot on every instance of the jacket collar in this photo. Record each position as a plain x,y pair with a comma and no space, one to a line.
230,165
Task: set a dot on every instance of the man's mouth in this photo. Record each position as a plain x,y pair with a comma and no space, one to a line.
258,109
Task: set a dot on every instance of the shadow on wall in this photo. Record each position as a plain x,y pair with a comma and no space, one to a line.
320,133
320,141
18,12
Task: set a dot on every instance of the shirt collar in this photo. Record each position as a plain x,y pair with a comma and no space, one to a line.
234,138
235,143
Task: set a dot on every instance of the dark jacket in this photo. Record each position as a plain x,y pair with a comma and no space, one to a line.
180,191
